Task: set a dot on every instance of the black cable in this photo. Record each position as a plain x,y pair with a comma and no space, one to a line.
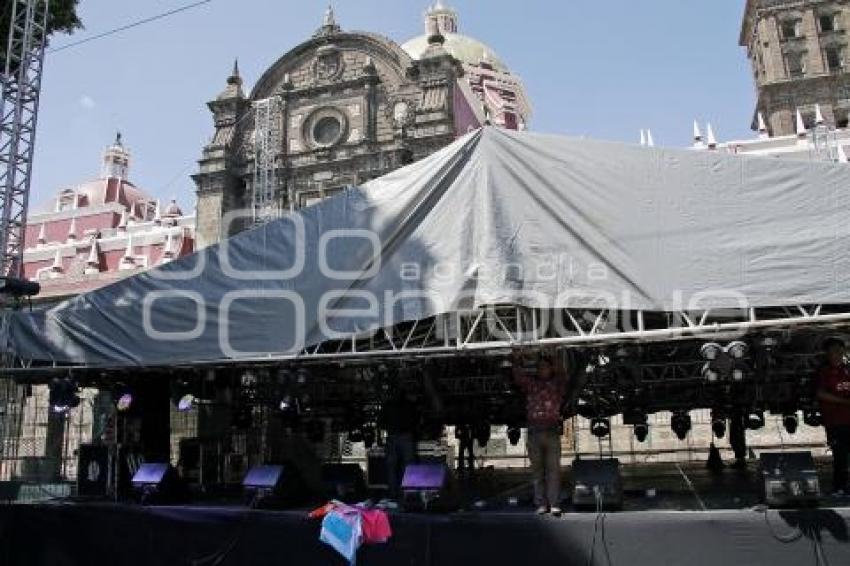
129,26
793,537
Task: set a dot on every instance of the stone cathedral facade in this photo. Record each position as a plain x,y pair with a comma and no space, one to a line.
798,50
343,108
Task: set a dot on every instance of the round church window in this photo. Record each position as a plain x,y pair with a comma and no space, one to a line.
326,131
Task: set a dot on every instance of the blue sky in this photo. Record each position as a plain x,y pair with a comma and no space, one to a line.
601,70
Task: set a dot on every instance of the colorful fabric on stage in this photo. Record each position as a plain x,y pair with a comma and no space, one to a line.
345,527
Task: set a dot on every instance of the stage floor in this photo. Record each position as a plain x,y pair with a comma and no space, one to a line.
93,534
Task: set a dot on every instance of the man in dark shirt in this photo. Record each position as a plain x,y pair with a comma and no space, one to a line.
400,418
833,382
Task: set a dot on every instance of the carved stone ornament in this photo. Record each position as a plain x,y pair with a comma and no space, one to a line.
328,64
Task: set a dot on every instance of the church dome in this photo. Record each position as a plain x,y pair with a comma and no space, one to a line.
443,19
463,48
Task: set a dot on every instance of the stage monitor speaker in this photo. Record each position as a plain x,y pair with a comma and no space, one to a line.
158,483
274,486
428,487
94,470
790,479
597,483
9,491
345,482
376,469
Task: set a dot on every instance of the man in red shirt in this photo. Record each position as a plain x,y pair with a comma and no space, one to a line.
834,396
545,383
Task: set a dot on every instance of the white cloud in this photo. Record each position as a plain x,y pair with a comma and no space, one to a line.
87,102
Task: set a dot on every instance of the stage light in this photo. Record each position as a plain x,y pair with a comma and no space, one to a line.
302,375
585,409
641,431
18,288
63,394
514,435
812,417
737,349
754,420
506,364
718,427
600,427
710,350
286,403
680,422
186,402
790,422
355,435
737,374
124,402
369,436
482,434
709,374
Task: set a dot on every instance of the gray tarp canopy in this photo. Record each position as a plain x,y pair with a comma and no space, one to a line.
496,218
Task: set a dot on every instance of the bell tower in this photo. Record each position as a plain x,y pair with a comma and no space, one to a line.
798,51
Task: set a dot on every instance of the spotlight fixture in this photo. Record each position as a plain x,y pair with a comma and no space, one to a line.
754,420
718,427
709,374
600,427
369,436
18,288
710,351
302,375
737,374
63,394
790,422
124,403
286,403
737,349
812,417
186,403
514,435
680,422
482,434
641,431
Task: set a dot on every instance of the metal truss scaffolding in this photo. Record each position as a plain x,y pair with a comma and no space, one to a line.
500,327
266,134
21,85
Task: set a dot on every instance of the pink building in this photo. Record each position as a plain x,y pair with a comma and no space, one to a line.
103,230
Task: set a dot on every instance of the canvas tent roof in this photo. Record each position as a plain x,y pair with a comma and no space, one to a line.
498,217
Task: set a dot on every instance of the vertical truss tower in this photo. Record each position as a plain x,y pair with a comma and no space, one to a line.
21,86
266,117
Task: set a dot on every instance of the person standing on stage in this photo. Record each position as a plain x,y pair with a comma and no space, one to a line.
833,393
545,384
400,417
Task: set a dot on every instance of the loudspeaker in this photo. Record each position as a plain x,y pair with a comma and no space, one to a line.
157,482
376,469
345,482
94,470
271,486
790,478
9,491
428,487
597,483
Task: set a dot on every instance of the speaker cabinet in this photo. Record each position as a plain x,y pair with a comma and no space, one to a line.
597,483
94,470
158,483
428,487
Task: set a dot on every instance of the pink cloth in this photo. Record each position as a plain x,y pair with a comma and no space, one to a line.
376,526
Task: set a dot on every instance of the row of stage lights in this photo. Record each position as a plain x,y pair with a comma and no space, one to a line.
681,423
